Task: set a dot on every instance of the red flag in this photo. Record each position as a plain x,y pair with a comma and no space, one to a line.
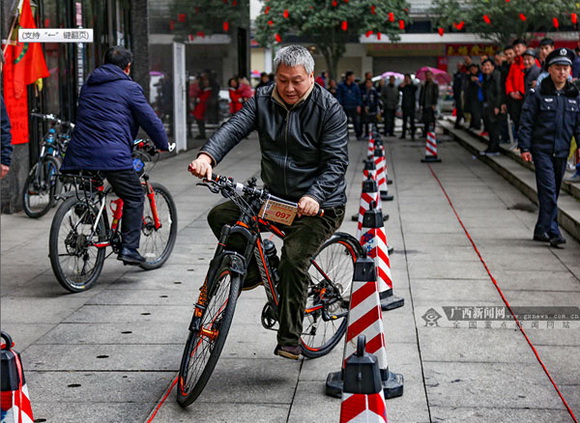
29,64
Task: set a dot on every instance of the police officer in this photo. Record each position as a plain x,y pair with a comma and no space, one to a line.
550,117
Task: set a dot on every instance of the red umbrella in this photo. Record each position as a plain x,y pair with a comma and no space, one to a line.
441,77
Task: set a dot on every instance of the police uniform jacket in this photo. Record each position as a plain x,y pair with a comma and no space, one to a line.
304,146
550,119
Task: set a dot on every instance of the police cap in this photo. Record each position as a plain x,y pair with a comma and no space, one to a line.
530,52
560,56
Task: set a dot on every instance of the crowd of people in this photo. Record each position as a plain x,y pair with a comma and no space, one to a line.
493,91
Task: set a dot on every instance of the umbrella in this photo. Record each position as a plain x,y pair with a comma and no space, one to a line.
439,76
397,75
255,74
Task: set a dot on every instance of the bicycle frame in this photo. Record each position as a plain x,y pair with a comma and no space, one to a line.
255,247
116,211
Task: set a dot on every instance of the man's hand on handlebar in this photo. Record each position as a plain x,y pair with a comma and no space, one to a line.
308,206
201,167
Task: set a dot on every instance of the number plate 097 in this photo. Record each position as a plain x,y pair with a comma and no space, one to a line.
278,212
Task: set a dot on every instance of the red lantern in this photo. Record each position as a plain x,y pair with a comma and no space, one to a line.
441,31
286,14
346,1
278,38
190,37
334,3
235,3
226,26
459,26
378,35
555,23
200,34
267,10
574,18
270,22
391,17
486,19
344,26
401,24
523,17
368,34
507,1
181,17
373,10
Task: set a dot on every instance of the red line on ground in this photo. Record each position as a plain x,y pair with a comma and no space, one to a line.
506,302
160,404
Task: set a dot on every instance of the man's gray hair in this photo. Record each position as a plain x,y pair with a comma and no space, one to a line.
293,56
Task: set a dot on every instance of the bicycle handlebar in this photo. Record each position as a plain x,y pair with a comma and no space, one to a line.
52,118
262,194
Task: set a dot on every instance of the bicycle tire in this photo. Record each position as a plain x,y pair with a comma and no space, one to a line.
192,381
38,196
336,257
157,244
70,248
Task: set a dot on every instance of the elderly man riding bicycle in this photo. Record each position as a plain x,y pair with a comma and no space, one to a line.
303,138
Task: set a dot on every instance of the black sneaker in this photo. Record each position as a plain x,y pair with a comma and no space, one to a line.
557,241
252,281
130,256
287,351
543,237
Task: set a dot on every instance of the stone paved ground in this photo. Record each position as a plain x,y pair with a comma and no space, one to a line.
109,355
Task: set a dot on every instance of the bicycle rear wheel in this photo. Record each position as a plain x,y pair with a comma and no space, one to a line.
157,244
75,260
326,312
40,187
204,346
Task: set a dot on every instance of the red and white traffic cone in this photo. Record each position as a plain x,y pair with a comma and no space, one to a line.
366,318
369,172
379,142
371,145
15,401
370,194
380,163
362,396
374,242
431,147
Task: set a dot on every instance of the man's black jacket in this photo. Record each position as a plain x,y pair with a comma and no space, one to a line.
550,119
304,147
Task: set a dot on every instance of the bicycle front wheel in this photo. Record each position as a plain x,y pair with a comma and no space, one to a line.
331,273
157,243
204,346
40,187
75,260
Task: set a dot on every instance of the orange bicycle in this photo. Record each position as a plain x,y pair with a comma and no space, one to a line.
331,273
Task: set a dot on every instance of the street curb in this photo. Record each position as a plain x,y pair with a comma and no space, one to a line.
520,174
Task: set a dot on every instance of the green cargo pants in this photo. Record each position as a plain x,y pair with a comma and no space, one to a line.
303,238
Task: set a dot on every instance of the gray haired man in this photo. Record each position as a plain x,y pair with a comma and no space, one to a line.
303,139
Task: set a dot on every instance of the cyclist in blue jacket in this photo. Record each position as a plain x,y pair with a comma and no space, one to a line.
111,109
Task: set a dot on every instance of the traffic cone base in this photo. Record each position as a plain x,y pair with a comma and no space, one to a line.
385,196
393,384
390,301
431,159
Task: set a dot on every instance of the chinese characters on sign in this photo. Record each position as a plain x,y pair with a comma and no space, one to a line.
52,35
470,49
499,317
